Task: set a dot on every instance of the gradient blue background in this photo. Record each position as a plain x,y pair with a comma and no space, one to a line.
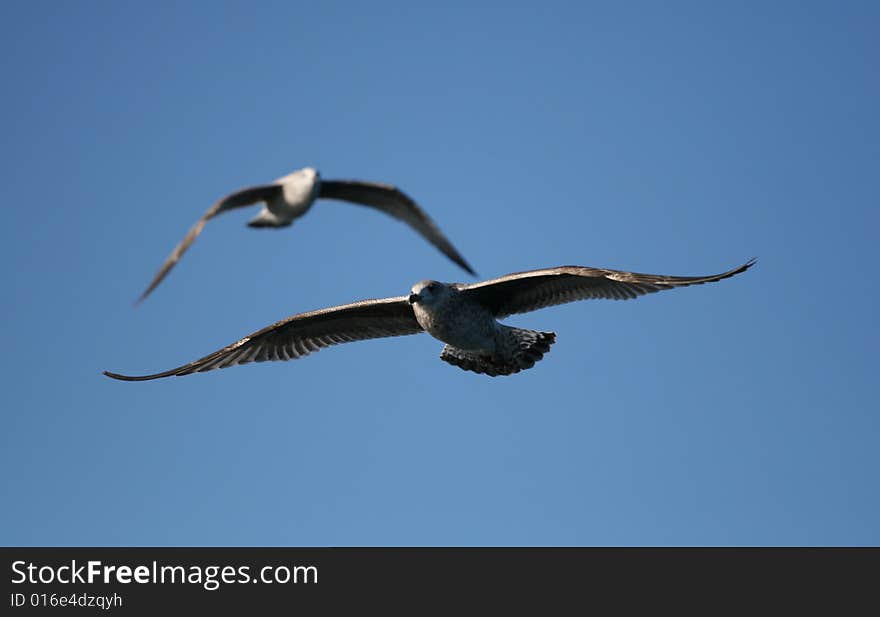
673,138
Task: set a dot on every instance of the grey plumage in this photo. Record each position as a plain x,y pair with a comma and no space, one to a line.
464,316
291,196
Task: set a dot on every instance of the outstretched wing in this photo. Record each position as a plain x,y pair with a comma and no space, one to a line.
238,199
528,291
391,200
300,335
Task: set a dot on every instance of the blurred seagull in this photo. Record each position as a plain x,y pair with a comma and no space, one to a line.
464,316
288,198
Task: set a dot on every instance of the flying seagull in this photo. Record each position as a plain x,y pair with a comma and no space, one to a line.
464,316
288,198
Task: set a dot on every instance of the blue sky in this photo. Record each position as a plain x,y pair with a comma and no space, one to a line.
673,138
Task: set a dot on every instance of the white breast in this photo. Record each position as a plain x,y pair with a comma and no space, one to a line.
299,190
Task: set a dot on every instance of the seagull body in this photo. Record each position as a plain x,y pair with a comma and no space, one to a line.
464,316
291,196
298,191
475,340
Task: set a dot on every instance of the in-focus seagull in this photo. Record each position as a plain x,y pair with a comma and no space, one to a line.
288,198
464,316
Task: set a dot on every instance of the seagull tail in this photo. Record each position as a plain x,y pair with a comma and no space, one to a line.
521,350
267,219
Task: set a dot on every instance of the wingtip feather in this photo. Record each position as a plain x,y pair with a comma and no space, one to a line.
130,377
751,262
141,298
116,376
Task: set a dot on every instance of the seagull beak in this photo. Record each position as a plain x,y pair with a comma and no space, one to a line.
413,298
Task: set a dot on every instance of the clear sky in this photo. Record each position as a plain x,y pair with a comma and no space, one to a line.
671,138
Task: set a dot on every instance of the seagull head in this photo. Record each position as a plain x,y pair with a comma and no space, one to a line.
428,292
307,176
310,173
